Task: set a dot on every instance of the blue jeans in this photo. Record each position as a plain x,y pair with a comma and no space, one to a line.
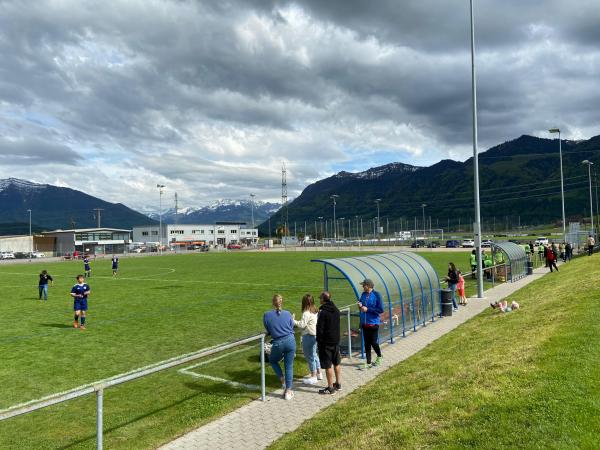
309,347
44,291
284,347
453,289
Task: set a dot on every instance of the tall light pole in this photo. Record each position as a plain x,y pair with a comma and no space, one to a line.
30,236
562,186
252,207
477,230
377,200
423,205
160,194
334,197
590,164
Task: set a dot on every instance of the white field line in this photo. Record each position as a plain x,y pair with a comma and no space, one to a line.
188,371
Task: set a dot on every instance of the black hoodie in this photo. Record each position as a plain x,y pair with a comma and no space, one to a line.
328,324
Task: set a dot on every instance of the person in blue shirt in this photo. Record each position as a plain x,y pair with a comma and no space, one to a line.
86,267
115,265
279,323
370,306
80,293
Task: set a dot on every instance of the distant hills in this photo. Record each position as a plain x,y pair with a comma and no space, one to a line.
221,211
519,182
58,207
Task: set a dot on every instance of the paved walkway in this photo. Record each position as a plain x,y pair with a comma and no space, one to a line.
258,424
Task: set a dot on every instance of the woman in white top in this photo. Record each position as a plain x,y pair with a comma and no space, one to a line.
308,325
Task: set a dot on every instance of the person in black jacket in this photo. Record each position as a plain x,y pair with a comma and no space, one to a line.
328,343
43,284
452,280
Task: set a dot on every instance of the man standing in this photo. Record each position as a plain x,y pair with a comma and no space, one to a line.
80,293
370,306
591,242
115,265
43,284
328,343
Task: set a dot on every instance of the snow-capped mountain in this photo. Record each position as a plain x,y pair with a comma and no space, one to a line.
220,211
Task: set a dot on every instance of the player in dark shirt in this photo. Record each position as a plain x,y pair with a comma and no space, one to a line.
115,265
43,284
80,293
86,267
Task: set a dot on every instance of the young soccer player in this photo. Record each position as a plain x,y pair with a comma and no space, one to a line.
86,266
80,293
115,265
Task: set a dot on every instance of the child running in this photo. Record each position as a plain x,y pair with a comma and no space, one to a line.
80,293
86,267
115,265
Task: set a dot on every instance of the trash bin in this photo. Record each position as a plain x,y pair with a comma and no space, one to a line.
529,267
446,302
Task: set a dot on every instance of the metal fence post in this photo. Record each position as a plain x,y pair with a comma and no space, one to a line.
263,395
493,270
99,414
349,335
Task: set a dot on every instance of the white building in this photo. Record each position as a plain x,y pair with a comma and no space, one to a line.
220,233
90,240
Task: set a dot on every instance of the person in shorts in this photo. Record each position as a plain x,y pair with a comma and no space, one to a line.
80,293
86,267
115,265
328,343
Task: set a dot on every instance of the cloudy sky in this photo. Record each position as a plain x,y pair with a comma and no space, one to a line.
209,97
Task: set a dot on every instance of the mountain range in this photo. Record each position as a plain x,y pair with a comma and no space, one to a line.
519,184
221,211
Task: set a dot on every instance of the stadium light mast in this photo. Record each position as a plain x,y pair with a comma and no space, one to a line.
252,207
590,164
477,224
31,237
160,194
377,200
334,198
562,184
423,205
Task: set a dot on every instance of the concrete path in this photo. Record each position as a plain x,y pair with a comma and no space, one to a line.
258,424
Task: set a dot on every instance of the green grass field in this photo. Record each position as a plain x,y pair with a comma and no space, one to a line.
527,379
158,307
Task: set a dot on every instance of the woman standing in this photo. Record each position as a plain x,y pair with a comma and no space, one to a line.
370,306
452,280
308,325
43,284
280,325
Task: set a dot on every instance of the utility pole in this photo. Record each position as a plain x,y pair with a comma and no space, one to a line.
176,208
334,198
98,215
252,207
284,200
160,194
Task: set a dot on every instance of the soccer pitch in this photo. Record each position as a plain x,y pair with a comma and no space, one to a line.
157,308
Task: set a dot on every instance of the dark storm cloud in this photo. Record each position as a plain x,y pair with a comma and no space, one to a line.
35,152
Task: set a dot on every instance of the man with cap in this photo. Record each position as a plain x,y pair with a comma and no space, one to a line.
370,306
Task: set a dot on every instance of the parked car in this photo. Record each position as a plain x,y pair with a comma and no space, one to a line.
234,246
418,244
541,241
487,243
433,244
38,255
452,244
7,255
468,243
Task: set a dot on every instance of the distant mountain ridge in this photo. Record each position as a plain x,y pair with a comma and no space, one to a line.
220,211
59,207
519,182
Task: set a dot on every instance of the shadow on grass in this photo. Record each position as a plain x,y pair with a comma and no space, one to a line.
56,325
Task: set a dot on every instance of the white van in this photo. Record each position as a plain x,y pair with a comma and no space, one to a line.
541,240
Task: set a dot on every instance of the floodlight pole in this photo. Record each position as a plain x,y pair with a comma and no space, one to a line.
377,200
477,230
423,207
252,209
334,197
562,188
160,194
30,236
589,164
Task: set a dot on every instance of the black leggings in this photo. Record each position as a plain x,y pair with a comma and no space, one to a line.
370,335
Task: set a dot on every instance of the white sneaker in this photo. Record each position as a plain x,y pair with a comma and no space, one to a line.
289,395
319,376
310,380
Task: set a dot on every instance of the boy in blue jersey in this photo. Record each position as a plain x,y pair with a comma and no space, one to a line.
115,265
86,266
80,293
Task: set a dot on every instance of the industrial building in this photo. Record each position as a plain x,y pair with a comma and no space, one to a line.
220,233
90,240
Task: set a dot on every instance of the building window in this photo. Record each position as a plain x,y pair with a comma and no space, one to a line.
154,232
144,233
233,231
176,231
221,231
212,231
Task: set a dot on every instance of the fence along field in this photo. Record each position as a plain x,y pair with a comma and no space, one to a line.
157,308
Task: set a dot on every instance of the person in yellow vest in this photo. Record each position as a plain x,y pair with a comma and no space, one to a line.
488,263
473,261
